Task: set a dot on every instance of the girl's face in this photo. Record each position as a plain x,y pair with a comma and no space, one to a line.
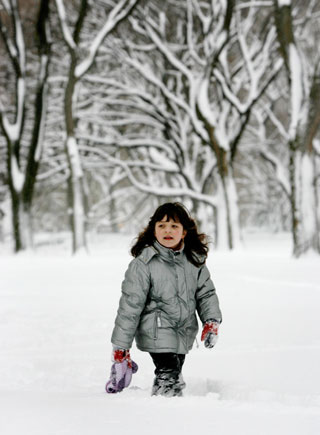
169,233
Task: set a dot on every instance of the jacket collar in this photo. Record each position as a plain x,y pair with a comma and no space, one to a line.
166,254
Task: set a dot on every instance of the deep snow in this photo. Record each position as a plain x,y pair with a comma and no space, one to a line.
56,318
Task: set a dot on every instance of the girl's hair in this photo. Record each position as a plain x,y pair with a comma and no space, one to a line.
195,244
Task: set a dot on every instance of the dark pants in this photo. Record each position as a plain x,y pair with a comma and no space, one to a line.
168,381
168,362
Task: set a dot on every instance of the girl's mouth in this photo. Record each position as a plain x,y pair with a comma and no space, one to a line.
168,238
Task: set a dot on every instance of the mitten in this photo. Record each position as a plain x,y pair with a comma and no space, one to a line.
210,332
121,371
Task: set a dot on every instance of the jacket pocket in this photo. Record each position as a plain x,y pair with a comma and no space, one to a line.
157,324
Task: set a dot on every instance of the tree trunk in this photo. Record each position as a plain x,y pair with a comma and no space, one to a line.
317,204
76,194
301,168
304,205
295,216
227,214
21,181
76,197
228,209
19,244
21,221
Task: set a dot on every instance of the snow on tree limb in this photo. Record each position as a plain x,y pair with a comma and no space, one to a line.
175,62
6,5
14,44
11,48
53,171
149,75
18,177
64,25
40,141
242,108
123,142
165,166
119,13
284,3
276,122
181,103
13,130
73,154
128,165
169,191
16,51
204,103
280,170
19,40
190,30
316,146
254,4
296,89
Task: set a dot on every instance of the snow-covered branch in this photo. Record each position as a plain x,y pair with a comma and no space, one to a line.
16,51
275,121
166,166
64,25
165,50
122,9
280,170
169,191
123,142
296,89
254,4
52,172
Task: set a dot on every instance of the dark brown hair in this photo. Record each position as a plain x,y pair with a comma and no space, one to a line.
195,244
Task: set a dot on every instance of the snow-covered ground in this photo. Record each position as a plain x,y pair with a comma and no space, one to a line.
56,317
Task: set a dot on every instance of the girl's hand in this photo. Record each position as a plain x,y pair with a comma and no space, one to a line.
120,355
121,371
210,333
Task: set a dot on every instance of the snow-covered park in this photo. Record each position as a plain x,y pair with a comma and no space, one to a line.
56,318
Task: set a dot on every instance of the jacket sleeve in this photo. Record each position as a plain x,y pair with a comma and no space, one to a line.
135,288
206,297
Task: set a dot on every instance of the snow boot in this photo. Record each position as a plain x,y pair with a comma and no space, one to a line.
180,384
168,384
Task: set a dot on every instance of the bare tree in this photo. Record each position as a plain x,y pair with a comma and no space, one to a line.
22,166
78,68
211,69
303,77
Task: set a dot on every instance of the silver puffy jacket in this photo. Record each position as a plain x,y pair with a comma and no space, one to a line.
161,293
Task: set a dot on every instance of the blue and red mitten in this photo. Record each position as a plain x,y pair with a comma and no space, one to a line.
121,371
210,332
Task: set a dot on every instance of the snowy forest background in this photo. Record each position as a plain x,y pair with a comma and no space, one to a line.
108,108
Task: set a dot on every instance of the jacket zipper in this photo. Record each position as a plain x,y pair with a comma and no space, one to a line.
157,324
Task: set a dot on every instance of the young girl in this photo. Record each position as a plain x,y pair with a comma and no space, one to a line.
165,285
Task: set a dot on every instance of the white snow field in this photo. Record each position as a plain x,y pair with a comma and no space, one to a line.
56,318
